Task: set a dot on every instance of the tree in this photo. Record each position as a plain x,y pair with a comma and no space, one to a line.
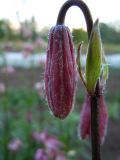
109,34
79,35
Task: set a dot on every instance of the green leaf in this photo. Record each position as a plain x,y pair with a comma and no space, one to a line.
105,68
79,68
105,71
94,59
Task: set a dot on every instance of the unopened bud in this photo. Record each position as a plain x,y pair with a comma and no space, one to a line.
85,118
60,73
94,59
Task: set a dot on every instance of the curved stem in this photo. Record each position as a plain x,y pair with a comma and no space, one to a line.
95,139
83,7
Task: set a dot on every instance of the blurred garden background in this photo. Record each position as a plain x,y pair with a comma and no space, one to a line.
27,128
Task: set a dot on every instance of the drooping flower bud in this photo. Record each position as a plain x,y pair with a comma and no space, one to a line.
60,72
85,118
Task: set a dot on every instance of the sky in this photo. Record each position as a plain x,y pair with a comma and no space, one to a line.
45,11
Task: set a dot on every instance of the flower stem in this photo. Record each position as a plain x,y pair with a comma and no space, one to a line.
95,140
82,6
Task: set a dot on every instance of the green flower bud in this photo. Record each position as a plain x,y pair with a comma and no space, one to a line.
94,59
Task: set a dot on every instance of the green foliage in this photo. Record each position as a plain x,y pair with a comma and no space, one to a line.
28,30
15,104
6,31
113,101
109,34
113,110
79,35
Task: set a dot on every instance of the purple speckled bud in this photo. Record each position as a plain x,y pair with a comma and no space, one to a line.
60,73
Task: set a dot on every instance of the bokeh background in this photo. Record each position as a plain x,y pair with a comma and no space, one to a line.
27,128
